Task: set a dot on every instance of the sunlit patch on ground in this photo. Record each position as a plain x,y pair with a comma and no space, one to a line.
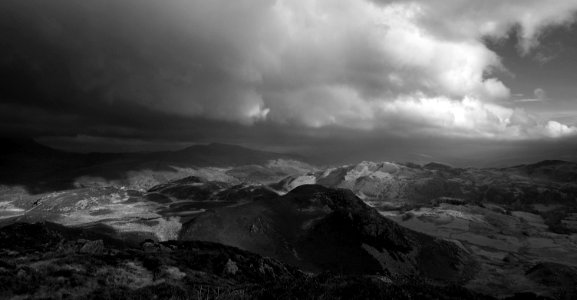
8,210
121,209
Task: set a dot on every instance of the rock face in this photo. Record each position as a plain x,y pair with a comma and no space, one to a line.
230,267
49,261
320,229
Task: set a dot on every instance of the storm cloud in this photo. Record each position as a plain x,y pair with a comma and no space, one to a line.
251,69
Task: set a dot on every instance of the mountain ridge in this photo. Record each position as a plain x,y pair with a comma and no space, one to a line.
44,169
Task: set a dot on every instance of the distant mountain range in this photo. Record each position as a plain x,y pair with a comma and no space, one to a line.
214,154
397,184
41,168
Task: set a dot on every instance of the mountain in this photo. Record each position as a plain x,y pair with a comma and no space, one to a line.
509,219
40,169
25,146
390,186
320,229
550,170
217,154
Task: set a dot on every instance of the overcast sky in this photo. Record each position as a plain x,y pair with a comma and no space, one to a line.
449,80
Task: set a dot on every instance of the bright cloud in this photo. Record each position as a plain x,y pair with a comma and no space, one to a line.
399,66
469,118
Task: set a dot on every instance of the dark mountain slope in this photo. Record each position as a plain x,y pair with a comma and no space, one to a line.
21,146
550,170
320,229
217,154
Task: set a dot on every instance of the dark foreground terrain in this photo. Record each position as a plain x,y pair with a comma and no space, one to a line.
50,261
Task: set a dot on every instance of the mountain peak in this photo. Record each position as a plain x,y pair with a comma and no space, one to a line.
23,145
218,147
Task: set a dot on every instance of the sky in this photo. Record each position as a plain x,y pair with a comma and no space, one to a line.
463,82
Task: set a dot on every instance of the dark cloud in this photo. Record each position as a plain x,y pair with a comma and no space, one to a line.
280,74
